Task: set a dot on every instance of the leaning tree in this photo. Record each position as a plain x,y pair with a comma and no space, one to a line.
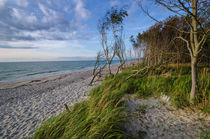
111,31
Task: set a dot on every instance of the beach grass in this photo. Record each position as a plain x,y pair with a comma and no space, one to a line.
100,116
174,82
103,114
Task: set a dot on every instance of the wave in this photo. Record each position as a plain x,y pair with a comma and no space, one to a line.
11,71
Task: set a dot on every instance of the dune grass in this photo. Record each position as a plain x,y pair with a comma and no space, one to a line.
103,114
174,82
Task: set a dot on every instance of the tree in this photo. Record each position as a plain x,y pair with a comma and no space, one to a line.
193,11
138,45
110,28
120,53
158,43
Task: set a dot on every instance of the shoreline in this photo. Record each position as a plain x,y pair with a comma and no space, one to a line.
45,74
49,77
25,105
39,79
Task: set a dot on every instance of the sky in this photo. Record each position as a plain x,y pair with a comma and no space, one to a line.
51,30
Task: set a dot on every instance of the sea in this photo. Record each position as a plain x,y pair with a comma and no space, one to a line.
12,72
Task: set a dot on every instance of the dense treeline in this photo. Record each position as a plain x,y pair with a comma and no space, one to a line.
194,32
160,45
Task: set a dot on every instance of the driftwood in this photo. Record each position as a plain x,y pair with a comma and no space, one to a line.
97,73
67,108
120,67
147,67
147,70
97,68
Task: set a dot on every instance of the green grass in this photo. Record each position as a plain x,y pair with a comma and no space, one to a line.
174,82
103,114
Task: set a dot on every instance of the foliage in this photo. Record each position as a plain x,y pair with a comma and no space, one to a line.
159,43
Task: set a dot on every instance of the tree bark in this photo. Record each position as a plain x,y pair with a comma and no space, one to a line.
194,87
110,72
195,48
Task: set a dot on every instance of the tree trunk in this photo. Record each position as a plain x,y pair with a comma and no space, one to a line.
194,87
195,47
109,68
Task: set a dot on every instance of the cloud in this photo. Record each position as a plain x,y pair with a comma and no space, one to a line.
43,9
24,55
22,3
141,27
40,20
21,47
80,11
2,2
114,3
35,44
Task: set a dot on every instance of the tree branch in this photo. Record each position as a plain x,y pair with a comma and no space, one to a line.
147,13
187,42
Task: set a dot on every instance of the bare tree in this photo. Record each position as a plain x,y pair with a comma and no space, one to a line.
193,11
120,53
108,49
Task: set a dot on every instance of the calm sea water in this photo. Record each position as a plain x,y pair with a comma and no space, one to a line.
19,71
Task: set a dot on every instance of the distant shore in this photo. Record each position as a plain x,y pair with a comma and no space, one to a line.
24,105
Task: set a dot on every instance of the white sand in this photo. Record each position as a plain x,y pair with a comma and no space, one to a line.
23,106
163,121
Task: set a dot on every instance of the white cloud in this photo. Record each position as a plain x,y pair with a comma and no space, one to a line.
48,2
2,3
80,11
42,44
16,14
47,11
43,9
45,50
24,55
114,3
67,10
21,16
31,19
22,3
43,28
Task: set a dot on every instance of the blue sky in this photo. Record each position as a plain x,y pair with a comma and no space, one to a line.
40,30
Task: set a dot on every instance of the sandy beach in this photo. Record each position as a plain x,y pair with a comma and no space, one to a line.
24,105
